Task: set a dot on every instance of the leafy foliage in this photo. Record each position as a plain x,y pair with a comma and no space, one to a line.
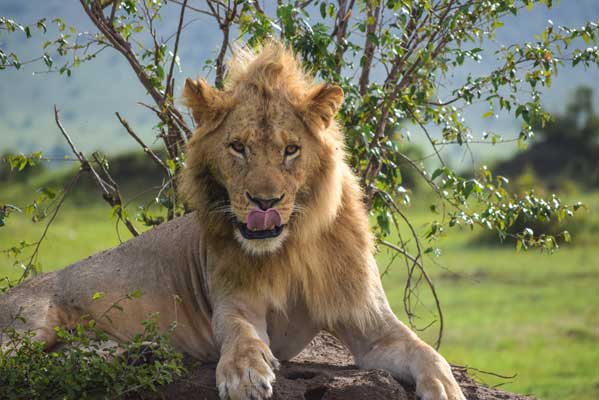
87,365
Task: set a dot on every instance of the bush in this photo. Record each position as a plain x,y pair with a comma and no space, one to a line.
86,365
580,224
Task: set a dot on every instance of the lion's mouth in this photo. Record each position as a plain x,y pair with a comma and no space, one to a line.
260,234
262,224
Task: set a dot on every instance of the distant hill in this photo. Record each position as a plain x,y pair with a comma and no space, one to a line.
89,98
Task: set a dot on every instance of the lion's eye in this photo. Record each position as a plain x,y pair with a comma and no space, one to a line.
238,147
291,149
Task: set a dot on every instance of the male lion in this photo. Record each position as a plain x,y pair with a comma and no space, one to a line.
278,248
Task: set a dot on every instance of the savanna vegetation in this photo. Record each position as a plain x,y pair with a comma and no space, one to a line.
467,256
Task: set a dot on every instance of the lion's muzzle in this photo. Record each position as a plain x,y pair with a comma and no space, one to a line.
262,224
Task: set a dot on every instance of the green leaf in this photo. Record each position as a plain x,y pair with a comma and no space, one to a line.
98,295
437,173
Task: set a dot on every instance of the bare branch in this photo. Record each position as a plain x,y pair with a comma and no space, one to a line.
191,8
224,24
35,253
344,12
373,9
169,81
417,262
147,150
110,192
113,11
169,114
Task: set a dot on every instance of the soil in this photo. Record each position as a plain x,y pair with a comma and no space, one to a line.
323,371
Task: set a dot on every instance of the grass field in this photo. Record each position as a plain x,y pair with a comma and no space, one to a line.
531,314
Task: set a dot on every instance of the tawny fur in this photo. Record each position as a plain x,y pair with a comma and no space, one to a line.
247,302
269,100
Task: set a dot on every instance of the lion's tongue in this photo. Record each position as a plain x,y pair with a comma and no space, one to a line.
259,220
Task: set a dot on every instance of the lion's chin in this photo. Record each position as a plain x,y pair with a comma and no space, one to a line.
260,247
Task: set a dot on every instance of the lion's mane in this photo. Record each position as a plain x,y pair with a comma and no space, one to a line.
327,259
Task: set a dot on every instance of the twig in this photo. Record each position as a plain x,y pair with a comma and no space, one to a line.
373,9
429,137
35,253
192,8
487,372
344,12
110,192
113,11
169,81
146,149
417,262
225,26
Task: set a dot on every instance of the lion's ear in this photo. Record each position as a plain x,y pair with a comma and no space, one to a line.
321,105
208,105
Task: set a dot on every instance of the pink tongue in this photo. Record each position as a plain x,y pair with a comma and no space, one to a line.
259,220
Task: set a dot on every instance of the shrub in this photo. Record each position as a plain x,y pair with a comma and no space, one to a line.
86,365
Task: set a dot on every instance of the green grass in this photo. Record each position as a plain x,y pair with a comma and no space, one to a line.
531,314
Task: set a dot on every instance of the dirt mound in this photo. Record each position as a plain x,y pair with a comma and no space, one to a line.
323,371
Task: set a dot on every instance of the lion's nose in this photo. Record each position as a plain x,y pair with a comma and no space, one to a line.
264,204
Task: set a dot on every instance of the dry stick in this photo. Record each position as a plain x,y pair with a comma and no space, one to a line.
192,8
430,139
225,26
409,289
417,263
85,165
487,372
155,158
146,149
169,82
122,46
403,244
369,47
113,11
340,31
65,191
110,193
116,190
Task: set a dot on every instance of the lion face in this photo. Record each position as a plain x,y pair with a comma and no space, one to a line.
263,145
265,156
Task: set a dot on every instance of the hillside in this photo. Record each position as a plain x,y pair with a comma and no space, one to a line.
89,98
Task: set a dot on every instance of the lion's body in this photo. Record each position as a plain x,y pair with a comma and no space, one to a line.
170,265
242,292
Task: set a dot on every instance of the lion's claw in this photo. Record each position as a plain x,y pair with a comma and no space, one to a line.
246,373
438,383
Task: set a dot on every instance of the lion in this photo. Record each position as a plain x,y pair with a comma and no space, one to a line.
278,246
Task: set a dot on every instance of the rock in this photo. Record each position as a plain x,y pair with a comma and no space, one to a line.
323,371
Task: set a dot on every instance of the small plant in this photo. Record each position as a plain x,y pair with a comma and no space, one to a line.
86,365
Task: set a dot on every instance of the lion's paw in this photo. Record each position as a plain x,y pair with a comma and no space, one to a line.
246,372
438,383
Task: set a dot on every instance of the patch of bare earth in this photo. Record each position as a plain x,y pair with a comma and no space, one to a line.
323,371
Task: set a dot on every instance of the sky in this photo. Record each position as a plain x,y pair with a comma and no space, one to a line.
89,98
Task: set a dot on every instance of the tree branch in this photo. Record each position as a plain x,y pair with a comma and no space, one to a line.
110,193
169,82
373,9
146,149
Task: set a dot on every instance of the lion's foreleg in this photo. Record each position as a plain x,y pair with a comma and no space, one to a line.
388,344
245,368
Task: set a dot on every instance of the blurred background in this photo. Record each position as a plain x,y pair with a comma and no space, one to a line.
532,317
